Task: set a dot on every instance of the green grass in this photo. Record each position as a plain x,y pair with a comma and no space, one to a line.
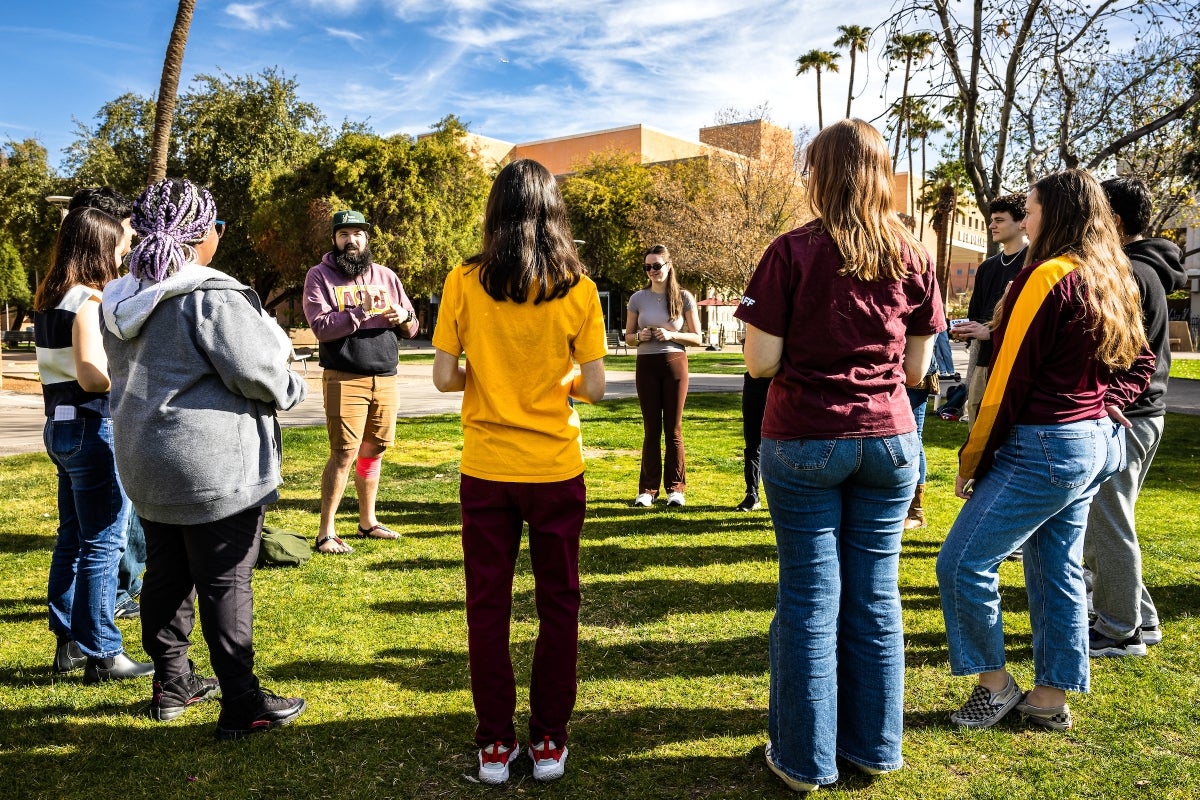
1185,368
726,362
673,652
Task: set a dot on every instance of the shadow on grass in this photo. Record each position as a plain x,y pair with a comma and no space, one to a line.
599,559
20,542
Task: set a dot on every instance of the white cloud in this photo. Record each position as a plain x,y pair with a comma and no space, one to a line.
349,36
251,16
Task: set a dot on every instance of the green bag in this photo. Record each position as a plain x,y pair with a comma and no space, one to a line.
283,548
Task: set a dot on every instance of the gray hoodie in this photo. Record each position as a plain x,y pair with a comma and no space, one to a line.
198,372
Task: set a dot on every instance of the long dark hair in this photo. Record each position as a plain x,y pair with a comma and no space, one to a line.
674,293
1077,223
526,237
84,254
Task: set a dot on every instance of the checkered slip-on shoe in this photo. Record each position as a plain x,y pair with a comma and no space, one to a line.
1056,718
984,708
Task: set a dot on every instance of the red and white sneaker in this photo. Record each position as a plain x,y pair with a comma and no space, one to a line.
494,760
549,760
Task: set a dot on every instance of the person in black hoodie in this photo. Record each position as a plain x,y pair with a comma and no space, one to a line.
1126,619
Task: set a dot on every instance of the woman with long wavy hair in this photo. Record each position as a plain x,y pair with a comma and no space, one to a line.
1070,353
842,312
93,510
662,320
524,313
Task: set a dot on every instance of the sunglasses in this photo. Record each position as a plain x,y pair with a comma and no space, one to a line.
220,227
656,267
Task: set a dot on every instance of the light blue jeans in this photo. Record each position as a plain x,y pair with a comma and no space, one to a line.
1035,496
838,508
93,519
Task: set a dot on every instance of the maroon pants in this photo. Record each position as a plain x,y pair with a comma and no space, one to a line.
662,385
492,513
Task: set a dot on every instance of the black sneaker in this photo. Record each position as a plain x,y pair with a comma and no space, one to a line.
1151,634
749,503
172,698
1100,646
256,710
128,609
68,657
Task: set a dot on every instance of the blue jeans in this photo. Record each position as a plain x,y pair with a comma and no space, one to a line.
1035,496
838,508
133,562
93,517
919,400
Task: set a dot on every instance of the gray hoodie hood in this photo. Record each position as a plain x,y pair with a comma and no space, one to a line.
129,301
1162,256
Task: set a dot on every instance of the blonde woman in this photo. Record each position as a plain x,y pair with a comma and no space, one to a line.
842,312
1070,353
662,322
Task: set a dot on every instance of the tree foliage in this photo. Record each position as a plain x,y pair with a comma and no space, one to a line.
14,283
116,151
27,221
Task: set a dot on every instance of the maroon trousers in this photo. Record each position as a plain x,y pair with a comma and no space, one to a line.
492,514
662,386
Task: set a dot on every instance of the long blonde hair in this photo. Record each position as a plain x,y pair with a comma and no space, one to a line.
850,189
1077,223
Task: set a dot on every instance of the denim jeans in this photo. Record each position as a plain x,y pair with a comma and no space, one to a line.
133,562
93,516
1035,496
919,400
838,508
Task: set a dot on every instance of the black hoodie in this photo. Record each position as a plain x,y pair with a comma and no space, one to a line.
1158,270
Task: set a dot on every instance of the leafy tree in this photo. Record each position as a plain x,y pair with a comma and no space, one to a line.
603,195
165,110
116,152
816,61
14,283
27,221
855,39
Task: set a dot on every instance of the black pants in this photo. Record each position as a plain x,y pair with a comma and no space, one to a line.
754,405
214,563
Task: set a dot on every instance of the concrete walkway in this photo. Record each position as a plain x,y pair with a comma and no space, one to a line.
22,416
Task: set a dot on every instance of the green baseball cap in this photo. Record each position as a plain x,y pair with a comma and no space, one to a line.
349,219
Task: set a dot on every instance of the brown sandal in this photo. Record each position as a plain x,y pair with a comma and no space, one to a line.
336,540
379,531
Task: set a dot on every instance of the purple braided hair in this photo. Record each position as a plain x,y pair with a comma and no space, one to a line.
171,216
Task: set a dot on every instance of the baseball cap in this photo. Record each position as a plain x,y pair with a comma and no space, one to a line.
349,219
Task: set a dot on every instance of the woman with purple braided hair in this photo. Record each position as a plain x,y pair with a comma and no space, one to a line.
198,373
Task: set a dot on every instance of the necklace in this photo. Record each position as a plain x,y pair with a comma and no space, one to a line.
1004,263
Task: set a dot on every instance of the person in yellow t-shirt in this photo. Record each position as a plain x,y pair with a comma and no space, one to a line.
524,313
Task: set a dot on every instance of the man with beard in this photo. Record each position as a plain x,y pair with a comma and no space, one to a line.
356,309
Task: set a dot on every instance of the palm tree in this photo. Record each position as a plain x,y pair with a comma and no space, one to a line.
946,184
164,114
910,48
921,125
854,38
818,60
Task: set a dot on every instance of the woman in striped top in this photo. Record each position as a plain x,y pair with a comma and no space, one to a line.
93,510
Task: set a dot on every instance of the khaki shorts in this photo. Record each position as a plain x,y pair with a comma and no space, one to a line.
359,408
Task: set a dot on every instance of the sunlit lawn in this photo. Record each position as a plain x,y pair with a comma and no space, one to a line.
673,657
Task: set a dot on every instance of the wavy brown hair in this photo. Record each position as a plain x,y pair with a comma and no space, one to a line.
84,254
850,189
1077,224
526,237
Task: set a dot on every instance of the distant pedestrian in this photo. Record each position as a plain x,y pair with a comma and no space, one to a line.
358,311
93,509
524,313
662,321
199,372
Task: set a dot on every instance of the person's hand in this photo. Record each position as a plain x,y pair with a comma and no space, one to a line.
963,487
398,315
662,334
971,330
1117,416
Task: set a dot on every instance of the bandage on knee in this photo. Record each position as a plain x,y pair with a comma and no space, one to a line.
369,467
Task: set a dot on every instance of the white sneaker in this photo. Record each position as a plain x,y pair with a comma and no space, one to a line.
549,761
645,500
494,760
675,499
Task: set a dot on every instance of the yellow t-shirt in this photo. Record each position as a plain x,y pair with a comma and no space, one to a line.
517,424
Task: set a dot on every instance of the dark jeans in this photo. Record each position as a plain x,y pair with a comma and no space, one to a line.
754,406
492,513
662,385
133,562
212,562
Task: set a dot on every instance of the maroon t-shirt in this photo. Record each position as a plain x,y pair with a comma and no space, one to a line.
842,373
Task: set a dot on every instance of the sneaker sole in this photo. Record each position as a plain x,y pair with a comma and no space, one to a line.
792,783
168,713
497,776
261,726
552,770
1135,650
1151,638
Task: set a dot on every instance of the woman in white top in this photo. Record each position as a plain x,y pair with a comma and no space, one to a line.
662,321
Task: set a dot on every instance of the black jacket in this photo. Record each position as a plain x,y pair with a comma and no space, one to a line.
1158,270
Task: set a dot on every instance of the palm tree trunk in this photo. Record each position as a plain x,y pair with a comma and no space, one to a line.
923,140
820,118
850,91
164,113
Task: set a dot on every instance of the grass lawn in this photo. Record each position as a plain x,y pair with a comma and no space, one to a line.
1185,368
673,653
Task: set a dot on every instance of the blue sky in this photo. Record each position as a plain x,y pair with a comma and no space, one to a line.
517,70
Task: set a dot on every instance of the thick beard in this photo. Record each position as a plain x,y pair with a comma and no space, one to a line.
354,262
